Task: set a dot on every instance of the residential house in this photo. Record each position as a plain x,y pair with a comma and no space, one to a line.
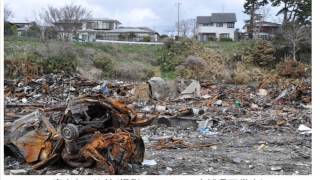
136,34
95,28
108,29
22,27
263,30
216,26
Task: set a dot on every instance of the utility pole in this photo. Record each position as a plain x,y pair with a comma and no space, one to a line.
178,28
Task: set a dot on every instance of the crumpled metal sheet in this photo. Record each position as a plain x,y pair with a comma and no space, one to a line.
90,129
115,150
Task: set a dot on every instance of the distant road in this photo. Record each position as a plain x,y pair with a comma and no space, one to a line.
129,42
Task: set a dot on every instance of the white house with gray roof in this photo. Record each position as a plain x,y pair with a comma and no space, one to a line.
109,29
216,26
91,27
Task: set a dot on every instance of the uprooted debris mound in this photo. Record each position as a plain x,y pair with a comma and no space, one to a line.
22,68
287,90
90,130
291,69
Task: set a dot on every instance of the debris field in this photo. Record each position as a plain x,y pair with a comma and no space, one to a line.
65,124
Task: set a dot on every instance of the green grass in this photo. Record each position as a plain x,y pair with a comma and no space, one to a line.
169,75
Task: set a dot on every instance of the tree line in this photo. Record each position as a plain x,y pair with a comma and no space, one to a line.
296,22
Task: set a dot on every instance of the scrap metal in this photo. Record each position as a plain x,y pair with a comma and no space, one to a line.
90,129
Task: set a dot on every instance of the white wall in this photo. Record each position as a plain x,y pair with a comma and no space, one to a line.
217,30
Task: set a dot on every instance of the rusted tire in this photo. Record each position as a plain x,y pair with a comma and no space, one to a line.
70,132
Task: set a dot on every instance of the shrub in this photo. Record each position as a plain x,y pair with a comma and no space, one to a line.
193,67
291,69
132,72
66,61
122,37
51,33
146,38
21,68
10,30
163,36
225,39
105,63
174,53
263,54
212,39
34,31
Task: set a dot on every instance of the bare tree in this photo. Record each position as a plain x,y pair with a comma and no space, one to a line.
265,12
297,36
7,13
186,27
66,20
193,24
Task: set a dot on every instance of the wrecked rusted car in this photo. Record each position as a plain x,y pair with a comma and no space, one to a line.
89,130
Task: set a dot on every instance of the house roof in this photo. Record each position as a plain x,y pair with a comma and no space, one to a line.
203,19
102,19
141,28
125,30
264,24
21,23
217,18
223,17
129,30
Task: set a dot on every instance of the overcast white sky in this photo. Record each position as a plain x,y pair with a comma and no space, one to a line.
160,15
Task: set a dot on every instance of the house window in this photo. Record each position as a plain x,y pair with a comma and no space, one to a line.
224,35
230,25
84,37
219,24
90,25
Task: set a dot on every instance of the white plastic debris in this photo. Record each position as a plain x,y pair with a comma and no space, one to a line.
308,106
276,168
146,139
37,96
160,108
195,111
218,103
149,162
262,92
254,106
304,129
169,169
147,109
96,89
72,89
206,96
18,172
24,100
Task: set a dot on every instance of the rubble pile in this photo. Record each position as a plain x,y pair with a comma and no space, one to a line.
157,127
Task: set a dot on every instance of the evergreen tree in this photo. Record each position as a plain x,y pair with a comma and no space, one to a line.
250,8
294,10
